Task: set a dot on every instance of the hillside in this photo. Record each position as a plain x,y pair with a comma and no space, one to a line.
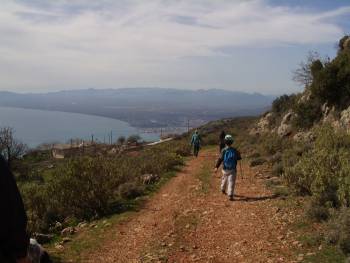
325,99
306,139
146,107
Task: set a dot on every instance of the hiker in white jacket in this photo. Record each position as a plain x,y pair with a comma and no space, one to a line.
229,157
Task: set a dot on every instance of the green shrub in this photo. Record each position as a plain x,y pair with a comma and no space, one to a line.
324,170
39,210
272,144
283,103
89,187
307,113
338,230
316,211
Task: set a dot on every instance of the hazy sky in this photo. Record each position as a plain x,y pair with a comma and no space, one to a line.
191,44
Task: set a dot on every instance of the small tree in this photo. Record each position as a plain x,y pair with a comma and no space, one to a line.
121,140
134,139
10,147
303,75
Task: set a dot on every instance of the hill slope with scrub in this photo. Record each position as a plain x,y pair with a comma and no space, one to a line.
311,149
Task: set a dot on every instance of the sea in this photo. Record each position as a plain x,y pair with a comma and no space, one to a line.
35,127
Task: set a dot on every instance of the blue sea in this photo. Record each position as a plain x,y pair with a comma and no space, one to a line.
35,127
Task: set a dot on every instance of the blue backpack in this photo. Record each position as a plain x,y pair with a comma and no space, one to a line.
230,159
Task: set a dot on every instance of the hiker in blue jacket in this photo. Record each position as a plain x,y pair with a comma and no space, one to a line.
196,143
229,157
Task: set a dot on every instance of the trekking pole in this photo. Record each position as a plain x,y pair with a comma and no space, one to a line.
240,165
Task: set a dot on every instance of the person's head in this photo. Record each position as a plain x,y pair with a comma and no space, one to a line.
196,132
228,140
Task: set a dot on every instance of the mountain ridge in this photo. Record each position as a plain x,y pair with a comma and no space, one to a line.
145,107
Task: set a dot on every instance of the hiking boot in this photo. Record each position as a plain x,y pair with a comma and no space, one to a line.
223,191
231,198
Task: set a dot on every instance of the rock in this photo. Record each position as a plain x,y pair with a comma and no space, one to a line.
263,125
58,226
43,238
82,224
280,237
295,243
59,247
288,118
304,137
149,178
284,130
68,231
66,239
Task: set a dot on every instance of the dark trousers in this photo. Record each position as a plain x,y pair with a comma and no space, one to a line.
196,150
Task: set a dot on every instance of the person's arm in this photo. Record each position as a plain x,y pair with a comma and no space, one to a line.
220,160
13,215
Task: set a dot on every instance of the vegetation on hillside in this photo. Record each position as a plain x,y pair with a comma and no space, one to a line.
320,166
88,187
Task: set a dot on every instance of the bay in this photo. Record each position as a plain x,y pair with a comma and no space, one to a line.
35,127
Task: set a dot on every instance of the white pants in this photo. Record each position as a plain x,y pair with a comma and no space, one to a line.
228,179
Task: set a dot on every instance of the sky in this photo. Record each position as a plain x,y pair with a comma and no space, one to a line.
250,45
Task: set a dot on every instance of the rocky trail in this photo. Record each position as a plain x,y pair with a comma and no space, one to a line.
190,220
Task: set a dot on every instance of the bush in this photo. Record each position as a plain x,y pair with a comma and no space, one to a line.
316,211
324,170
283,103
132,139
130,190
338,230
89,187
272,144
258,161
307,113
277,169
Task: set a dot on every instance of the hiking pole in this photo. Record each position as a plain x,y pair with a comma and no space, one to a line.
240,166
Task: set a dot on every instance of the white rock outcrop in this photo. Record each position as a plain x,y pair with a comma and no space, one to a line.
264,125
304,137
286,127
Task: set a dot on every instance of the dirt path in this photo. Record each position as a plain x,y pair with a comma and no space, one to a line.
190,220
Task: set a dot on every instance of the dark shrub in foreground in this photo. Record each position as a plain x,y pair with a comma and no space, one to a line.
258,161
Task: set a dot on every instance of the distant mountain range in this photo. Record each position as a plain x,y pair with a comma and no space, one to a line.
145,107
